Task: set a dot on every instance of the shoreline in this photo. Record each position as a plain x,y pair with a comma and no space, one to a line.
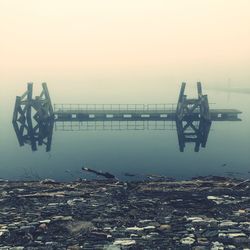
202,213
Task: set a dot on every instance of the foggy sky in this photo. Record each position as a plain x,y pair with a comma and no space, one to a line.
68,41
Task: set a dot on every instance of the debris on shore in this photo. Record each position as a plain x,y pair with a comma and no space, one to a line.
99,173
199,214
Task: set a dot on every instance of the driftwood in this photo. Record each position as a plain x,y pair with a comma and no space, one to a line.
106,174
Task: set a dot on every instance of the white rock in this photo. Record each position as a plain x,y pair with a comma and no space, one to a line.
235,235
44,221
145,221
3,232
217,246
125,242
62,218
228,223
187,241
134,229
194,219
149,228
231,247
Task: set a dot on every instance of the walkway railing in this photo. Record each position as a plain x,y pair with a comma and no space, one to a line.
112,107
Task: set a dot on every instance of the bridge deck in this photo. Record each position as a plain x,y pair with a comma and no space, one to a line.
134,112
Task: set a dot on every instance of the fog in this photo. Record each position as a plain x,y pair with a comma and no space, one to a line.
110,46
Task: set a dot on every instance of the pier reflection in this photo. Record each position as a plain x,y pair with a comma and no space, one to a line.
40,134
36,135
191,131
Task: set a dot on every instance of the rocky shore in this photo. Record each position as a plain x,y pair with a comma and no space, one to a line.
203,213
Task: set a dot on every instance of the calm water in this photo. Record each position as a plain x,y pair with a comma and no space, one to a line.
138,152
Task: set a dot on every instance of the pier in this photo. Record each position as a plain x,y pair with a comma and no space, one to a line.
136,112
34,118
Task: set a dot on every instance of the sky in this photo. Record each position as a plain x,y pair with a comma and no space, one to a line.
69,41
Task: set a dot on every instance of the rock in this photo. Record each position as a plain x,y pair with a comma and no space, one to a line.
48,181
3,232
124,242
79,226
44,221
165,227
134,229
149,228
75,201
51,244
43,227
145,221
105,215
235,235
227,223
230,247
203,241
62,218
210,233
187,241
217,246
217,200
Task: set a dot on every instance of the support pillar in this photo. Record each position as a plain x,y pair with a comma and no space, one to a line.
193,120
33,118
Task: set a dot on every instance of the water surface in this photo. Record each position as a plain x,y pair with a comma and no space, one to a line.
139,152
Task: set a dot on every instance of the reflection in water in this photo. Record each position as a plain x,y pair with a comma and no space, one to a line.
34,119
34,135
191,131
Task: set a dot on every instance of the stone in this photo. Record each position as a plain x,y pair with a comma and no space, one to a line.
165,227
187,241
48,181
62,218
228,223
134,229
44,221
236,235
210,233
145,215
43,227
3,232
124,242
76,227
149,228
217,246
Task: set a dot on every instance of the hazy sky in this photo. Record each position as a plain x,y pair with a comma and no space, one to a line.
73,39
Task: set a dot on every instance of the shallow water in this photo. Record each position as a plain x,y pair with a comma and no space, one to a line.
139,152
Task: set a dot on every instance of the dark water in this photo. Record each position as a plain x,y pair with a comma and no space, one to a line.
139,152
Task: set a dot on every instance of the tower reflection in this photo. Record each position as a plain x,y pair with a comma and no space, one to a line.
40,134
193,131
